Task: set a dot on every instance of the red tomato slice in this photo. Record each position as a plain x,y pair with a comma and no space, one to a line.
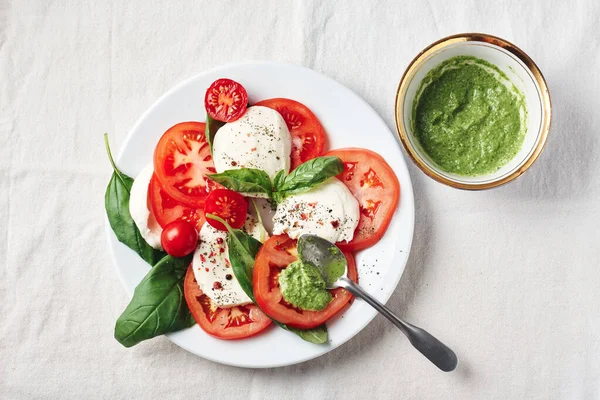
167,210
374,184
228,205
181,161
308,136
226,100
224,323
275,255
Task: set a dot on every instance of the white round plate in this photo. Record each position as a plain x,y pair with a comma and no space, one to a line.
349,122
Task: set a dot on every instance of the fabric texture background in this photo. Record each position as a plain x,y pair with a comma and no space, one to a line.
508,277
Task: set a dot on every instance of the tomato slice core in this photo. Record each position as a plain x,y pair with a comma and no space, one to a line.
226,100
182,160
228,205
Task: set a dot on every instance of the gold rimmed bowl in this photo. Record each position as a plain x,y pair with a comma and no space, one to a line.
520,70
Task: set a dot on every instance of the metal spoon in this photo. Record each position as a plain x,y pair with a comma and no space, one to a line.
333,266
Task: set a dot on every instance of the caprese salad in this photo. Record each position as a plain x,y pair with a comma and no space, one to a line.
219,210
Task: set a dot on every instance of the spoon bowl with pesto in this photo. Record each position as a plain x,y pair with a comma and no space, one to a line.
473,111
325,258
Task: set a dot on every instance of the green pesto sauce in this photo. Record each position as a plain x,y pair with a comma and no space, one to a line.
468,116
303,286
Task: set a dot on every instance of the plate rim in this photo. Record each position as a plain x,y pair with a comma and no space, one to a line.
406,189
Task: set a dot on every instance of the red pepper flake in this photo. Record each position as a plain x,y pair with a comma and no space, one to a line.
227,263
219,240
335,224
212,254
217,285
297,206
202,258
253,149
222,250
213,261
320,223
313,205
233,163
303,216
206,269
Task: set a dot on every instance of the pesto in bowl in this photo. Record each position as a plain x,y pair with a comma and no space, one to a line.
468,117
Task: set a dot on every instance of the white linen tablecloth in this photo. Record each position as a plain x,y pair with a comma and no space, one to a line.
510,278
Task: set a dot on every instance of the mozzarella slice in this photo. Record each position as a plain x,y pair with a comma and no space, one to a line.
259,139
140,210
328,210
212,267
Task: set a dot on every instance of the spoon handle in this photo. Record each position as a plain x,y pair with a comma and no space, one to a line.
437,352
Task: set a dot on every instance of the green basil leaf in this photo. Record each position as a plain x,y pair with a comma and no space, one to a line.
245,180
277,181
212,126
158,305
116,203
316,335
242,253
277,197
243,249
308,175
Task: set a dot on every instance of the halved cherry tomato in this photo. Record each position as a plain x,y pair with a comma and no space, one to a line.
226,100
275,255
166,209
227,204
224,323
374,184
308,136
179,238
181,161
